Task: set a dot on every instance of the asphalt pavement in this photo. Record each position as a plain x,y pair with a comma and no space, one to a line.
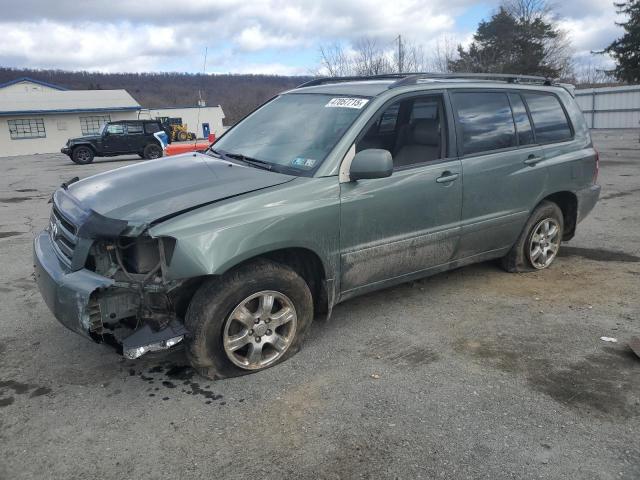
469,374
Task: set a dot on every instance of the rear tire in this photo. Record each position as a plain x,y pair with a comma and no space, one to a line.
152,151
229,317
183,136
82,155
540,240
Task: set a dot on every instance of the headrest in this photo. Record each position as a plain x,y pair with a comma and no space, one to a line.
425,132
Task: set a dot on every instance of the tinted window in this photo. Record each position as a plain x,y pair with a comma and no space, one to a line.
389,118
152,127
523,125
134,128
485,120
549,120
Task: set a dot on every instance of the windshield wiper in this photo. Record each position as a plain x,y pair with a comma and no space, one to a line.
251,161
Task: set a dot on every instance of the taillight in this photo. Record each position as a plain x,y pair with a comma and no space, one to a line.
595,174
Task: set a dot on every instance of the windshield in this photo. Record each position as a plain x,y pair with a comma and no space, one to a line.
294,132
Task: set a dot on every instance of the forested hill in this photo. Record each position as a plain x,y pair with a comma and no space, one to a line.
237,94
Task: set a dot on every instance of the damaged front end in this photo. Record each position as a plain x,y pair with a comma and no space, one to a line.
106,279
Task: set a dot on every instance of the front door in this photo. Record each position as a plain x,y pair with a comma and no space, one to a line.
114,139
393,228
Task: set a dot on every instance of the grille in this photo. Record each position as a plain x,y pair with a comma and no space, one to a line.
63,236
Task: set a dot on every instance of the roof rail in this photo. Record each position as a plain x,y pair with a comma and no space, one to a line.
323,80
413,78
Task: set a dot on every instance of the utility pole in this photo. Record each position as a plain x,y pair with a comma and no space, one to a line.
400,55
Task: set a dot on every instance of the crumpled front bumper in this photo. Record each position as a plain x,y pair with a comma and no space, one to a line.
66,293
66,150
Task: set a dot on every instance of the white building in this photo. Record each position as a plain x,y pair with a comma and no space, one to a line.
610,107
37,117
201,121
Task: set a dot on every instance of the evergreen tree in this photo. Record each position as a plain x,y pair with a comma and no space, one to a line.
515,42
626,49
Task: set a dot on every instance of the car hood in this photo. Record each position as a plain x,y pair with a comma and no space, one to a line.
157,189
84,138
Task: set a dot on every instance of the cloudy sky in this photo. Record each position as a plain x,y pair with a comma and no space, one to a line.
249,36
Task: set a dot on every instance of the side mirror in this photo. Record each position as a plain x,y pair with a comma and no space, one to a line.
371,163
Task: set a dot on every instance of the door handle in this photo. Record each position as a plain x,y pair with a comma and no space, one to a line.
532,160
447,177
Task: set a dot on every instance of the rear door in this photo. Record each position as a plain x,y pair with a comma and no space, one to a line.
136,138
504,175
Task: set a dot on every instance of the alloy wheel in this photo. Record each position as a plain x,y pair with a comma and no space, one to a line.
544,243
259,330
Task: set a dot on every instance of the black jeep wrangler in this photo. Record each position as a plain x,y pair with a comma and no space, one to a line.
119,138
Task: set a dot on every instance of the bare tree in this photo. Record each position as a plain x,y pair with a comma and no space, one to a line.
334,60
369,58
443,53
589,74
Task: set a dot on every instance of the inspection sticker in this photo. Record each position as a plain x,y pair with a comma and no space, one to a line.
306,163
347,102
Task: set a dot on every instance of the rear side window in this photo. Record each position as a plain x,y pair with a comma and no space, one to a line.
152,127
485,120
134,128
520,116
549,120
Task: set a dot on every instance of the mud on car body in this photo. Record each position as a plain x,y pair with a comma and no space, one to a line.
328,191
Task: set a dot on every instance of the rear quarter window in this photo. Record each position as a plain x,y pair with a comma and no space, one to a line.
485,120
550,122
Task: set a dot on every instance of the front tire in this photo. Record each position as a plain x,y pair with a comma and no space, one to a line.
538,244
247,320
82,155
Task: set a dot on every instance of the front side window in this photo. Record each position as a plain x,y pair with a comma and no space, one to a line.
294,132
115,129
26,128
485,120
93,124
415,135
549,120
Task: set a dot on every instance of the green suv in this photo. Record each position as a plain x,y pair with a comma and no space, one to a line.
333,189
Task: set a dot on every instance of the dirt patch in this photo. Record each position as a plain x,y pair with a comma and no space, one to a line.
619,194
26,190
599,255
9,234
604,382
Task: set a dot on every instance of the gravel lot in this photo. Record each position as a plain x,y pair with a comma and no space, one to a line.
474,373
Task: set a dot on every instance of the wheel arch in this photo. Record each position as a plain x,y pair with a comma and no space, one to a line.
305,262
86,144
568,203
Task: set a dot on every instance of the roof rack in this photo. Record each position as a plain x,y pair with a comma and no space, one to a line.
402,79
413,78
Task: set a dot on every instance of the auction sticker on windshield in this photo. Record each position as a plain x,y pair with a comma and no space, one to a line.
347,102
